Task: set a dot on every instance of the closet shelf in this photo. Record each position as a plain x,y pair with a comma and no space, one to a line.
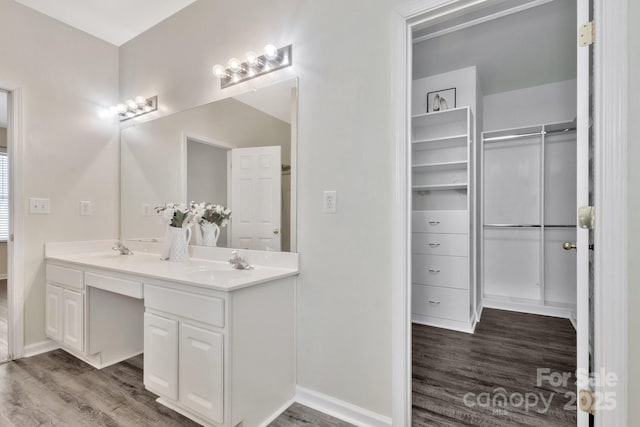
421,144
440,166
440,187
461,111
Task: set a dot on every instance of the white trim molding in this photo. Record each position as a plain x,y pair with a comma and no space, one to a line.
611,139
15,288
340,409
40,347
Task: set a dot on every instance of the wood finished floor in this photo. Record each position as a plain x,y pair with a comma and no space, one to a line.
56,389
504,353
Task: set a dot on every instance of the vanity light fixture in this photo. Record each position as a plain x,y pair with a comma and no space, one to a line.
135,107
254,65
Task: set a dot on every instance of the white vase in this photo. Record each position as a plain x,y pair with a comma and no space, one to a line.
210,234
179,243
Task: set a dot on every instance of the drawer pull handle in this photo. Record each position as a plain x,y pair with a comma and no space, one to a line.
434,222
434,271
434,302
434,245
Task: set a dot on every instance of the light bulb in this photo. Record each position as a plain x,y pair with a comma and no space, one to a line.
270,52
131,104
252,58
147,108
219,71
141,101
121,108
234,65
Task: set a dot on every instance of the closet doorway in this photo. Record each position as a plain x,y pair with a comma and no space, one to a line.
538,276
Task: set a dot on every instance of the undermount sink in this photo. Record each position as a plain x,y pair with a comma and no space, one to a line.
211,274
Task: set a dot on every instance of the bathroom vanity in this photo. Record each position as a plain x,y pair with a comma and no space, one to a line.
219,343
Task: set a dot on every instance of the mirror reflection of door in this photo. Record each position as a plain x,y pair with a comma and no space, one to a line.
256,198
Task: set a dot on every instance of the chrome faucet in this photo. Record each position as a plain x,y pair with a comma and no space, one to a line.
119,247
238,262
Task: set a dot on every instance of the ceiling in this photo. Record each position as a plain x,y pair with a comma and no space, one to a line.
115,21
533,47
275,100
3,109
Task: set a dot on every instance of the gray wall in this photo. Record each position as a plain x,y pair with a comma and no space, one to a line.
207,177
71,149
634,209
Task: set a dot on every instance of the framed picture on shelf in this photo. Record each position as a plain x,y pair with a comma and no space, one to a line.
441,100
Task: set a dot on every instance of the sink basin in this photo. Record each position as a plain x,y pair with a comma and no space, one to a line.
213,274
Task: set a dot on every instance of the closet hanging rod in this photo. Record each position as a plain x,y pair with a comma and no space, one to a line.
526,226
508,137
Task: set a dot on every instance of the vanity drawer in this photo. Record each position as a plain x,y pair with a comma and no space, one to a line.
116,285
440,222
201,308
440,244
441,270
445,303
64,276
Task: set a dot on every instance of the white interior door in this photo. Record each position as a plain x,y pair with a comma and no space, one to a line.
256,193
583,130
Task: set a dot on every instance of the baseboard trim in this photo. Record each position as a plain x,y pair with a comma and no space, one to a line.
454,325
340,409
542,310
40,347
4,276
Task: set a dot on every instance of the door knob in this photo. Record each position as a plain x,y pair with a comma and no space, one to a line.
567,246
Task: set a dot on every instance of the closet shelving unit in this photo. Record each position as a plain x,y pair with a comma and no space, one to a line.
528,210
442,157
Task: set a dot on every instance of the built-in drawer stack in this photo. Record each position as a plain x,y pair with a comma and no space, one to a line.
440,267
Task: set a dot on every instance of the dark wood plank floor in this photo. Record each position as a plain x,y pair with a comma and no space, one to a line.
501,358
56,389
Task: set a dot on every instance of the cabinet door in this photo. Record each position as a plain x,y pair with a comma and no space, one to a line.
161,355
53,312
73,314
201,371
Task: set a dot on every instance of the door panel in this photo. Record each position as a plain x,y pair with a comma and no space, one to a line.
53,312
161,355
73,314
201,371
256,198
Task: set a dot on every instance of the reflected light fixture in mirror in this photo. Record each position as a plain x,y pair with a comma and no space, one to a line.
272,59
135,107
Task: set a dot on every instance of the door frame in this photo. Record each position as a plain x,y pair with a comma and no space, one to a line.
15,247
610,181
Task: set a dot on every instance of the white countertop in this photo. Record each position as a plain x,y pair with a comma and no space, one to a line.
206,273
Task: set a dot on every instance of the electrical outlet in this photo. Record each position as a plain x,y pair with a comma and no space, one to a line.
329,202
39,206
146,209
85,207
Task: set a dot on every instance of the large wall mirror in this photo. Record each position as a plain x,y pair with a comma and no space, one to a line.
237,152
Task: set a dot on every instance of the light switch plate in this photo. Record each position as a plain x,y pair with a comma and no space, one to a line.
329,202
39,206
146,209
85,208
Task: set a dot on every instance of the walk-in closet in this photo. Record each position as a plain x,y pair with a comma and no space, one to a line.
493,197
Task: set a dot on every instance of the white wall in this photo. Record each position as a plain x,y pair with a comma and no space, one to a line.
634,208
550,103
70,152
464,80
341,54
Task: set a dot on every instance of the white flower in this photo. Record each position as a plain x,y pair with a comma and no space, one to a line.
218,209
224,223
227,211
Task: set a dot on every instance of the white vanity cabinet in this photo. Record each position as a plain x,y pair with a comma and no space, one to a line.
64,307
221,358
221,354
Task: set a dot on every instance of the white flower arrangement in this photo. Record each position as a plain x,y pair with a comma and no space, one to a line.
176,214
209,213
